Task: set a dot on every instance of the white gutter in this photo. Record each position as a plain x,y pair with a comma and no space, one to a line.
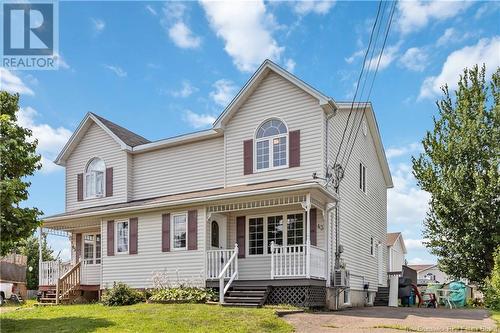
191,201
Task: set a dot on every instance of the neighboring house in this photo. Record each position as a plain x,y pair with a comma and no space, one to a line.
429,273
13,275
396,251
240,195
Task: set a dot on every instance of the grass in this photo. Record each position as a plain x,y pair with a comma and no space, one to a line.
142,318
495,314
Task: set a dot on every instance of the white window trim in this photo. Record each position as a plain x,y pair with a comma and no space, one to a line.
85,173
364,180
172,247
95,247
271,147
116,237
265,239
348,292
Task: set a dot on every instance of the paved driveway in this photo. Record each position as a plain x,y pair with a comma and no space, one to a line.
393,320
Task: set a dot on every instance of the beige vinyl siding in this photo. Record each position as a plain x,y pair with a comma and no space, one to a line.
396,257
259,266
276,97
96,143
189,167
137,270
361,215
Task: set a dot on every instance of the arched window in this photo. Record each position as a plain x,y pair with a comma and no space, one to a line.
271,141
215,234
94,178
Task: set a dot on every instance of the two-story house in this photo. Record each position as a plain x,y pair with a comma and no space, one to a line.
234,207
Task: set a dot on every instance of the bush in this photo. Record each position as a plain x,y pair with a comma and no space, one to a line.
182,295
121,294
492,284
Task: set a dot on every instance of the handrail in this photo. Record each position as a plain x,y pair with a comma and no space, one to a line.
68,282
298,261
223,289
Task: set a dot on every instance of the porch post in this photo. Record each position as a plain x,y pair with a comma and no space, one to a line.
40,255
307,207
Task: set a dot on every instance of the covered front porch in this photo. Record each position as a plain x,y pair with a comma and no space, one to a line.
63,280
280,241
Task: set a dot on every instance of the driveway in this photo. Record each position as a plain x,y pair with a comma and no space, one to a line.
393,320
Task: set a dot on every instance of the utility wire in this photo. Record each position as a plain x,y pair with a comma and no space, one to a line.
373,81
359,80
372,58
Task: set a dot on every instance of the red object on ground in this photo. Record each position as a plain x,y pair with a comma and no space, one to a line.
417,293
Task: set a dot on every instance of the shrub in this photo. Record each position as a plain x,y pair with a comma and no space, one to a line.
121,294
182,295
492,284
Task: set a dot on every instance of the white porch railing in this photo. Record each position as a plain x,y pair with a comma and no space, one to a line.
296,261
216,260
51,271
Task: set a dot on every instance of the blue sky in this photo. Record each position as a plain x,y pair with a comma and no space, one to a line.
162,69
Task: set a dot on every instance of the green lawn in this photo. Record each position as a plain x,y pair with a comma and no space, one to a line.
142,318
496,316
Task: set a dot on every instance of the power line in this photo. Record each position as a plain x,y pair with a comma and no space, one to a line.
364,82
359,80
373,81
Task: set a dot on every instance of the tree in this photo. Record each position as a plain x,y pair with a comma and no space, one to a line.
460,169
18,159
29,248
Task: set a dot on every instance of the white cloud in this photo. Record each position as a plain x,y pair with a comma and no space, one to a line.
485,51
151,10
174,21
487,8
50,140
417,261
452,36
183,37
354,56
223,93
415,15
390,53
246,29
290,65
61,62
98,24
186,90
406,203
309,6
198,120
415,244
117,70
403,150
415,59
13,83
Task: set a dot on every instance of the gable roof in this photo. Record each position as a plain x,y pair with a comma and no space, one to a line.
327,103
392,238
422,267
125,138
128,137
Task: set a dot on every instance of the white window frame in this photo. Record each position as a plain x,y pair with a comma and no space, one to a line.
172,231
89,173
265,230
362,178
271,147
116,237
94,258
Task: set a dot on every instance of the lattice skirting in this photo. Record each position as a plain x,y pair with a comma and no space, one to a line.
305,296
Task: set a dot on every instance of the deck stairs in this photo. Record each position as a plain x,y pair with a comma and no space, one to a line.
247,296
382,297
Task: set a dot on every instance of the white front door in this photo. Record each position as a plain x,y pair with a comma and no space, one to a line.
380,263
218,231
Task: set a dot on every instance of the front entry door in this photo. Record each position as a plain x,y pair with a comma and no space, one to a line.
218,232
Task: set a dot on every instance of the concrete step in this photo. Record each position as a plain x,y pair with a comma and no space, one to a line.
243,305
229,299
